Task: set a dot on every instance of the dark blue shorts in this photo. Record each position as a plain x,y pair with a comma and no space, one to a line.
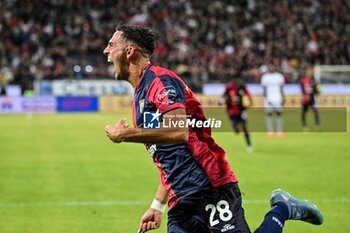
241,118
218,210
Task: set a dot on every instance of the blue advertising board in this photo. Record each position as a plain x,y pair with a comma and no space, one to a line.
77,104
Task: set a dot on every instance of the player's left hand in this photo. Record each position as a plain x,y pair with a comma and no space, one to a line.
151,220
115,132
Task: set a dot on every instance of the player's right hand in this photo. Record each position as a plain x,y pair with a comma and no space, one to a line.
150,220
115,132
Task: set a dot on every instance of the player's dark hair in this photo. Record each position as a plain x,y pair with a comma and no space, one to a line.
142,36
237,82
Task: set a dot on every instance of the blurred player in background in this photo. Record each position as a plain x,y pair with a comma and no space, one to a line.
195,178
310,91
233,98
272,82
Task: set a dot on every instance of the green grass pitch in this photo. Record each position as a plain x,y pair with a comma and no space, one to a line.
60,174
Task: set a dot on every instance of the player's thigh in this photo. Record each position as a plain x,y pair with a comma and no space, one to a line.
242,125
305,107
216,211
235,122
183,219
268,110
189,226
221,210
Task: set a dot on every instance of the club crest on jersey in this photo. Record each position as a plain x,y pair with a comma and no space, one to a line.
141,105
166,95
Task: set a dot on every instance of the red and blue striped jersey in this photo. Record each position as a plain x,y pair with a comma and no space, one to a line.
234,99
186,168
309,89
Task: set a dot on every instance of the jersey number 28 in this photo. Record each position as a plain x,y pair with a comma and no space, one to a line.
223,208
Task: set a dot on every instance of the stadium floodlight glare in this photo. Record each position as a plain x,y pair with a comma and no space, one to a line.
89,68
77,68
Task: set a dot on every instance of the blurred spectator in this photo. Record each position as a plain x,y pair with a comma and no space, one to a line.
209,40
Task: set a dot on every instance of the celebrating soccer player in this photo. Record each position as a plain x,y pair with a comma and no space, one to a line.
196,180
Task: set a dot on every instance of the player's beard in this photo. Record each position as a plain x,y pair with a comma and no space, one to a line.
123,72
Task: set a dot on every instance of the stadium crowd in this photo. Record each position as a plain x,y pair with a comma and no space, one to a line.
203,41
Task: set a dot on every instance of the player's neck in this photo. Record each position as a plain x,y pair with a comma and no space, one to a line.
137,70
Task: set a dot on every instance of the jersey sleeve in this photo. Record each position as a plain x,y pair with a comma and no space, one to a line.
167,93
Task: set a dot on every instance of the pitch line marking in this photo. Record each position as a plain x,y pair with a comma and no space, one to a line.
140,202
72,203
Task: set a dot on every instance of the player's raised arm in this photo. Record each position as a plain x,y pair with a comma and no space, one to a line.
175,132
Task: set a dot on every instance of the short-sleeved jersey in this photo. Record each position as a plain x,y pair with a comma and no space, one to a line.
273,83
309,89
234,99
186,168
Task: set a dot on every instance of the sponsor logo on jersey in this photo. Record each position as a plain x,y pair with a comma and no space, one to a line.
152,149
167,95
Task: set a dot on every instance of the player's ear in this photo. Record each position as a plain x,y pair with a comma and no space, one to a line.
130,52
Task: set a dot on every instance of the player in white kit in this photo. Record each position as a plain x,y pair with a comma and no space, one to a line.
272,82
